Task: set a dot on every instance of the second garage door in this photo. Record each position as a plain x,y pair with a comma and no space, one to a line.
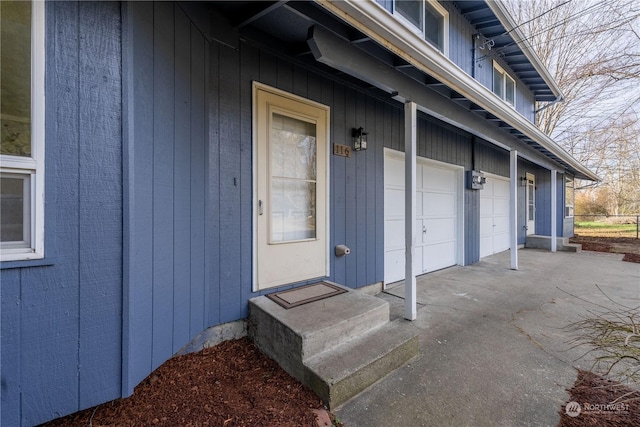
437,206
494,216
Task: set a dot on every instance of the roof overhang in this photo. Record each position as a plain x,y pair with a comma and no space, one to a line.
374,21
495,23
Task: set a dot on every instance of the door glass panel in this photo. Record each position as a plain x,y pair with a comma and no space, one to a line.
292,149
531,200
15,78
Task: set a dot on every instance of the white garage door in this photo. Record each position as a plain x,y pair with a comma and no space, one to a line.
437,203
494,216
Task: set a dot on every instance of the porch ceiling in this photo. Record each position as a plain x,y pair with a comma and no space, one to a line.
283,27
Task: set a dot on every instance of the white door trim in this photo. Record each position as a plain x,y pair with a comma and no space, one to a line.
530,223
254,163
459,170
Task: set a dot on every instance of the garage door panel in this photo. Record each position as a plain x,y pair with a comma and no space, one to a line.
438,205
486,245
439,256
501,225
394,266
494,221
394,202
501,207
486,226
435,178
501,242
394,170
439,230
486,206
436,209
394,234
500,187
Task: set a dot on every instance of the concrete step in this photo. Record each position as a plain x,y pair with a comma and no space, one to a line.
291,336
535,241
337,346
571,247
339,374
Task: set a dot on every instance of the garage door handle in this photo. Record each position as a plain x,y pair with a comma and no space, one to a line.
424,230
260,207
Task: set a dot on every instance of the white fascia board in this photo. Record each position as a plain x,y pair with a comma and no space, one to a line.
509,24
376,22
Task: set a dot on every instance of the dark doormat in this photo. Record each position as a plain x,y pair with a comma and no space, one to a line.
305,294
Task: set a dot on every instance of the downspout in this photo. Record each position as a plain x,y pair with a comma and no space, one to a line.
474,49
560,98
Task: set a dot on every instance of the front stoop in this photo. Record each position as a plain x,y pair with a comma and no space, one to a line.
535,241
337,346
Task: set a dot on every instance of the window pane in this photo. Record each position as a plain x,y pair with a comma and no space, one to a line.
13,204
434,27
498,83
292,148
510,91
15,78
411,10
293,212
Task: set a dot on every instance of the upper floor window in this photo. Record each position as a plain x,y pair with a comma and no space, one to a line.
428,18
22,130
503,85
569,194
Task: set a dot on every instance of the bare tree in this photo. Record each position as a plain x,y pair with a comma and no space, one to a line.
592,49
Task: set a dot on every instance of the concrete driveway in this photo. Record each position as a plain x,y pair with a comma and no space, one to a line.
493,351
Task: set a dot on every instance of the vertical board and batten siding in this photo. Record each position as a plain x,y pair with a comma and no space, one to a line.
460,38
165,199
190,189
62,321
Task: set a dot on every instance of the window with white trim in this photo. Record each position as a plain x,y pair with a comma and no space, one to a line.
427,18
569,195
22,130
503,85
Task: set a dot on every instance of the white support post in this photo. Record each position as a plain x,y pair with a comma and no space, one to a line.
410,138
554,210
513,211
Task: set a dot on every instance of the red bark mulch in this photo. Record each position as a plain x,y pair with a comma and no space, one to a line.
628,246
231,384
602,402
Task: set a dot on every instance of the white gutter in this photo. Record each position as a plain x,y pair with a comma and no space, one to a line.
376,22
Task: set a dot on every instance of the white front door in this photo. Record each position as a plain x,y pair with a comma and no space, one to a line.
494,216
437,238
291,140
531,204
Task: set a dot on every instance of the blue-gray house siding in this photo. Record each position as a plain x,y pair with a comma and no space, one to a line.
61,322
149,195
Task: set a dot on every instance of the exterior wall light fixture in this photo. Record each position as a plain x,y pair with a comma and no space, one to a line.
359,139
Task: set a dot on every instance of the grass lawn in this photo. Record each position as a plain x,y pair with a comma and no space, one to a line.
604,229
